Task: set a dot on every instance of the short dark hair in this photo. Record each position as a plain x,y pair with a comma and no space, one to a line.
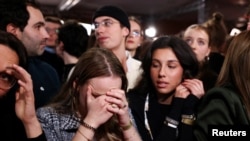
14,12
74,37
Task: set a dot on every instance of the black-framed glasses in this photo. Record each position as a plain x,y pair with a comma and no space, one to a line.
7,81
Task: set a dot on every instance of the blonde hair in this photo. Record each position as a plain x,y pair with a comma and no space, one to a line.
200,27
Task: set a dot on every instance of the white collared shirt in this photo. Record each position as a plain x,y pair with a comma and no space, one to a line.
134,70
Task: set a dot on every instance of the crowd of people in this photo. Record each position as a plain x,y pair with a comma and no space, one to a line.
57,83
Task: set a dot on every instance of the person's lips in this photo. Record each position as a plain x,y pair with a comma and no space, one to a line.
101,39
130,41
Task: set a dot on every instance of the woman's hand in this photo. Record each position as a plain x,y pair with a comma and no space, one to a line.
97,109
25,102
195,86
181,91
118,105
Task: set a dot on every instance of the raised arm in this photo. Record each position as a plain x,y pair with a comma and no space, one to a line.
25,104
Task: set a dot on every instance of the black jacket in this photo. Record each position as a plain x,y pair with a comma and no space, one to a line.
156,116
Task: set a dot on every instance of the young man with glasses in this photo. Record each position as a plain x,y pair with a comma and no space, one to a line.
50,54
112,27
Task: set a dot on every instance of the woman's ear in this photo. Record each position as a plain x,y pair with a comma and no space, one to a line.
125,31
208,51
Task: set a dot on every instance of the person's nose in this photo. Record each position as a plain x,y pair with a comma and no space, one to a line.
44,33
162,72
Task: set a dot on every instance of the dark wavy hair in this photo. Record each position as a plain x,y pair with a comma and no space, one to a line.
183,52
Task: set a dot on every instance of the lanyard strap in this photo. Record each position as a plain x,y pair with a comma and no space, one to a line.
146,107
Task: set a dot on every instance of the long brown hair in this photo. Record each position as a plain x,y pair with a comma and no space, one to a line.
95,62
236,69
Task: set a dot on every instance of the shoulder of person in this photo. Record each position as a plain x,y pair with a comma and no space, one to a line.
45,112
222,92
136,97
39,67
50,113
226,94
36,63
132,60
135,61
223,105
48,116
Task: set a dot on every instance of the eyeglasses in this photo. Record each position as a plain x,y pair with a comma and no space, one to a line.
105,23
7,81
52,31
135,33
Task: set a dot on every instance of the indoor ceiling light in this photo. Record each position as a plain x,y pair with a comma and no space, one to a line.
67,4
151,31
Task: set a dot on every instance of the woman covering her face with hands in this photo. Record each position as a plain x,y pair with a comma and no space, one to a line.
92,103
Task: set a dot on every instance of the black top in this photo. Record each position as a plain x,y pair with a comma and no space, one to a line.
156,116
11,127
221,106
215,61
54,60
66,70
46,82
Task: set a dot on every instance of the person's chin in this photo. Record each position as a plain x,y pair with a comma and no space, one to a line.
162,90
40,53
